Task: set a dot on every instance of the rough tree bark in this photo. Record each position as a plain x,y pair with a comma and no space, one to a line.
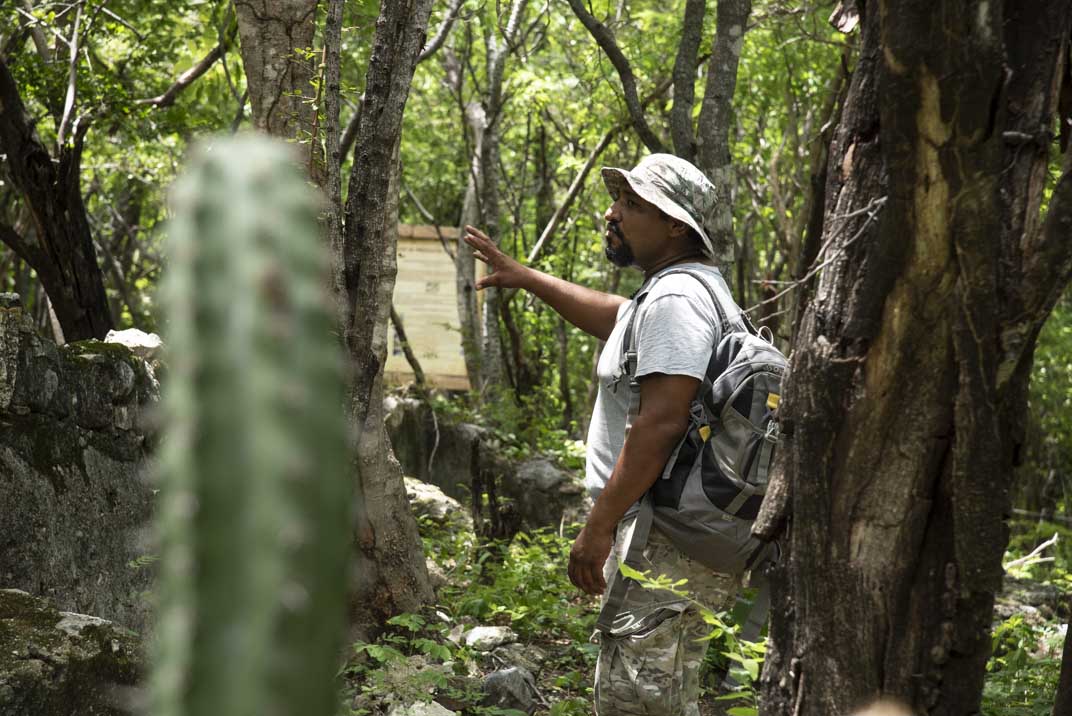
905,405
61,250
274,37
389,571
716,115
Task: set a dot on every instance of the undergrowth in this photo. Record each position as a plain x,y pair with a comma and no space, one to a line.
524,586
1025,663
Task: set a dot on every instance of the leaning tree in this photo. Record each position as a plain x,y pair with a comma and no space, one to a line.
904,413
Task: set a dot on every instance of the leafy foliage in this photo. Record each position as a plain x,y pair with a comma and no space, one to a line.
1022,673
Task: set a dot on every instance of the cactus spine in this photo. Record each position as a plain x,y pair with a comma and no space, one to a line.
254,518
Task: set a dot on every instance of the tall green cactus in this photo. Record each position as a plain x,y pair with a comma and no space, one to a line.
255,493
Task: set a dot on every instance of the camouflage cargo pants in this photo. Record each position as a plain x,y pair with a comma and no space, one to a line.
651,664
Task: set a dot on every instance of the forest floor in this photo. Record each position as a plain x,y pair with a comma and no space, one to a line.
523,586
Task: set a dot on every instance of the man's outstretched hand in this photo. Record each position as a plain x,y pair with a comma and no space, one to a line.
590,551
503,271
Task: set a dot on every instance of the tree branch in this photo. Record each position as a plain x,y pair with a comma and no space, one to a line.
30,254
188,77
411,357
603,36
72,79
33,24
571,194
441,33
1047,260
431,220
346,143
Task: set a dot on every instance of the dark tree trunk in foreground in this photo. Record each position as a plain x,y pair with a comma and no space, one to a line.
61,249
907,394
389,573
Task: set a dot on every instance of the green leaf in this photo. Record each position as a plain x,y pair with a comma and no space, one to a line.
631,573
752,667
742,711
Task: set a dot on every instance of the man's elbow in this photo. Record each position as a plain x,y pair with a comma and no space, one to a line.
661,428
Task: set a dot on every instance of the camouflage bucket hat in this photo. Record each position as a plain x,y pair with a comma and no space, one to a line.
673,185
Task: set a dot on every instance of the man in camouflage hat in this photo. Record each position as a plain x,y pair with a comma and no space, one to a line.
649,661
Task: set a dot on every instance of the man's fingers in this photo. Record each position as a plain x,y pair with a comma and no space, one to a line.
595,580
472,230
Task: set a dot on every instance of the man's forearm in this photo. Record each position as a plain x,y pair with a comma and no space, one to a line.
594,312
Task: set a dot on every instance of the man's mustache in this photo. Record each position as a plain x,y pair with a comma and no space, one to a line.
615,228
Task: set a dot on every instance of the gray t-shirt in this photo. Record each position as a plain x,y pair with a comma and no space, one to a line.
674,335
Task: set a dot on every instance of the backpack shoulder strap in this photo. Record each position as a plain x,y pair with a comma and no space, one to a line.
619,583
628,339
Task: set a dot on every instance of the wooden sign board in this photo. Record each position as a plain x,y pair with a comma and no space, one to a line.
426,299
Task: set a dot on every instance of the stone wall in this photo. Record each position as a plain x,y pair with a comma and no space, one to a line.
74,501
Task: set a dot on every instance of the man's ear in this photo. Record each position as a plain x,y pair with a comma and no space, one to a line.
678,229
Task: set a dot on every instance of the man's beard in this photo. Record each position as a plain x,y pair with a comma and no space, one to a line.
621,256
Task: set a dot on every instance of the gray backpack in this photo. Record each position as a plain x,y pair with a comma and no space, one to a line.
713,484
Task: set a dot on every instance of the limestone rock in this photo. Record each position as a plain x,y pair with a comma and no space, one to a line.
511,688
486,638
56,663
430,501
421,709
142,344
547,494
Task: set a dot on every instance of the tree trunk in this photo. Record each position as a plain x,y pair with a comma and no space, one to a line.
481,342
902,414
716,114
276,36
61,250
491,354
464,262
389,574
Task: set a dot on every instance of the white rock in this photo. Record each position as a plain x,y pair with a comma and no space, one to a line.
430,501
486,638
421,709
145,345
73,623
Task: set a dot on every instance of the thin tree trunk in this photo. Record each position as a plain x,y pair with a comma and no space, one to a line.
407,349
681,133
498,49
716,113
390,575
464,262
908,384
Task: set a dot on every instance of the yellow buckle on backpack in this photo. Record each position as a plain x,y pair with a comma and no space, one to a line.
772,401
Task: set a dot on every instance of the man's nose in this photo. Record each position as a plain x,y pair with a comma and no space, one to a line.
611,214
